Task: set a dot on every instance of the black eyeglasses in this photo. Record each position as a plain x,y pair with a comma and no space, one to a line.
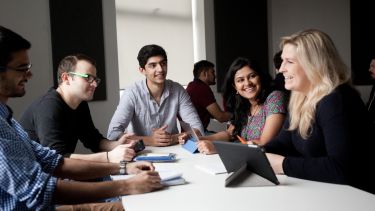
24,68
89,78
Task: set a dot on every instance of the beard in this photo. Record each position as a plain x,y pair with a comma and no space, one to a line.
9,89
212,83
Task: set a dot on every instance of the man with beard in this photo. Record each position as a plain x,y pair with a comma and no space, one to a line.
202,96
30,172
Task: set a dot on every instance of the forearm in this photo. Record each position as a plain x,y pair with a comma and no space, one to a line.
161,141
220,136
224,116
83,170
74,192
96,157
147,140
107,145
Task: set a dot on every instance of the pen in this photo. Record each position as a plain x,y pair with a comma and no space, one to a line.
241,139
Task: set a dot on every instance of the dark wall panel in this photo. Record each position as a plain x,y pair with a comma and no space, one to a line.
362,40
240,30
77,27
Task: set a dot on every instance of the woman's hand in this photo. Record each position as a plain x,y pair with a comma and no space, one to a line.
276,162
206,147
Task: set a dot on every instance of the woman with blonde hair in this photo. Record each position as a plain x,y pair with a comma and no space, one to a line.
327,123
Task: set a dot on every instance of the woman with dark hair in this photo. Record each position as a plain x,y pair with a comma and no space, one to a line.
258,110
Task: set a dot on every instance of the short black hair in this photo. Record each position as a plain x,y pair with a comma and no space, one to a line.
148,51
201,66
10,42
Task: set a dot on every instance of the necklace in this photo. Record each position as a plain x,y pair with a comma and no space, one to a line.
255,110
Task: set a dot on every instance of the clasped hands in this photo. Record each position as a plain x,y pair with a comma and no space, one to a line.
161,137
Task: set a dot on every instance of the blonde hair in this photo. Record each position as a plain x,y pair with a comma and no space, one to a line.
324,68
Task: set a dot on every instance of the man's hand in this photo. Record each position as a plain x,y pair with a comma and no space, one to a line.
138,167
127,138
160,137
122,152
144,182
182,138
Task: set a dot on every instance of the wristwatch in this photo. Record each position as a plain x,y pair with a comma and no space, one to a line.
122,167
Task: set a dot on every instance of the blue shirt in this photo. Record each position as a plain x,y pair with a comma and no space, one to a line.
139,113
26,182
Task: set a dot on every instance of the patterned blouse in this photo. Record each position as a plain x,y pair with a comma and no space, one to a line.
274,104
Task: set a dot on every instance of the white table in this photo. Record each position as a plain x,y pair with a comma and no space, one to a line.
207,192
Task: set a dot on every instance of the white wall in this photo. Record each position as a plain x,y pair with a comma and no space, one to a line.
31,20
330,16
167,23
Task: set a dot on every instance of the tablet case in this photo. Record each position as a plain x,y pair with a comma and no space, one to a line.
248,163
169,157
191,144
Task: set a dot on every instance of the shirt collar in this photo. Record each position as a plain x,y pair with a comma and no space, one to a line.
6,112
166,91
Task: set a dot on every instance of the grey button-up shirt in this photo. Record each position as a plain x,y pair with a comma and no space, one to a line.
139,113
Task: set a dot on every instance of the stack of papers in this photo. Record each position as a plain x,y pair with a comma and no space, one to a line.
212,168
169,177
156,157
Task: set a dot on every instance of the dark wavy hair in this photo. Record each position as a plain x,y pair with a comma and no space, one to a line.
235,103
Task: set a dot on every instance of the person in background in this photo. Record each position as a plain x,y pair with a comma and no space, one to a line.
202,96
327,134
371,101
258,109
150,107
61,117
30,172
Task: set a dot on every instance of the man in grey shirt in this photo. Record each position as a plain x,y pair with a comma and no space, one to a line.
150,107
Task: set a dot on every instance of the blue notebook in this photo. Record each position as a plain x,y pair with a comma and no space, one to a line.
156,157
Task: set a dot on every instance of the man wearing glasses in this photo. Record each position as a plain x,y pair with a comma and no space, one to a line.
30,172
61,117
